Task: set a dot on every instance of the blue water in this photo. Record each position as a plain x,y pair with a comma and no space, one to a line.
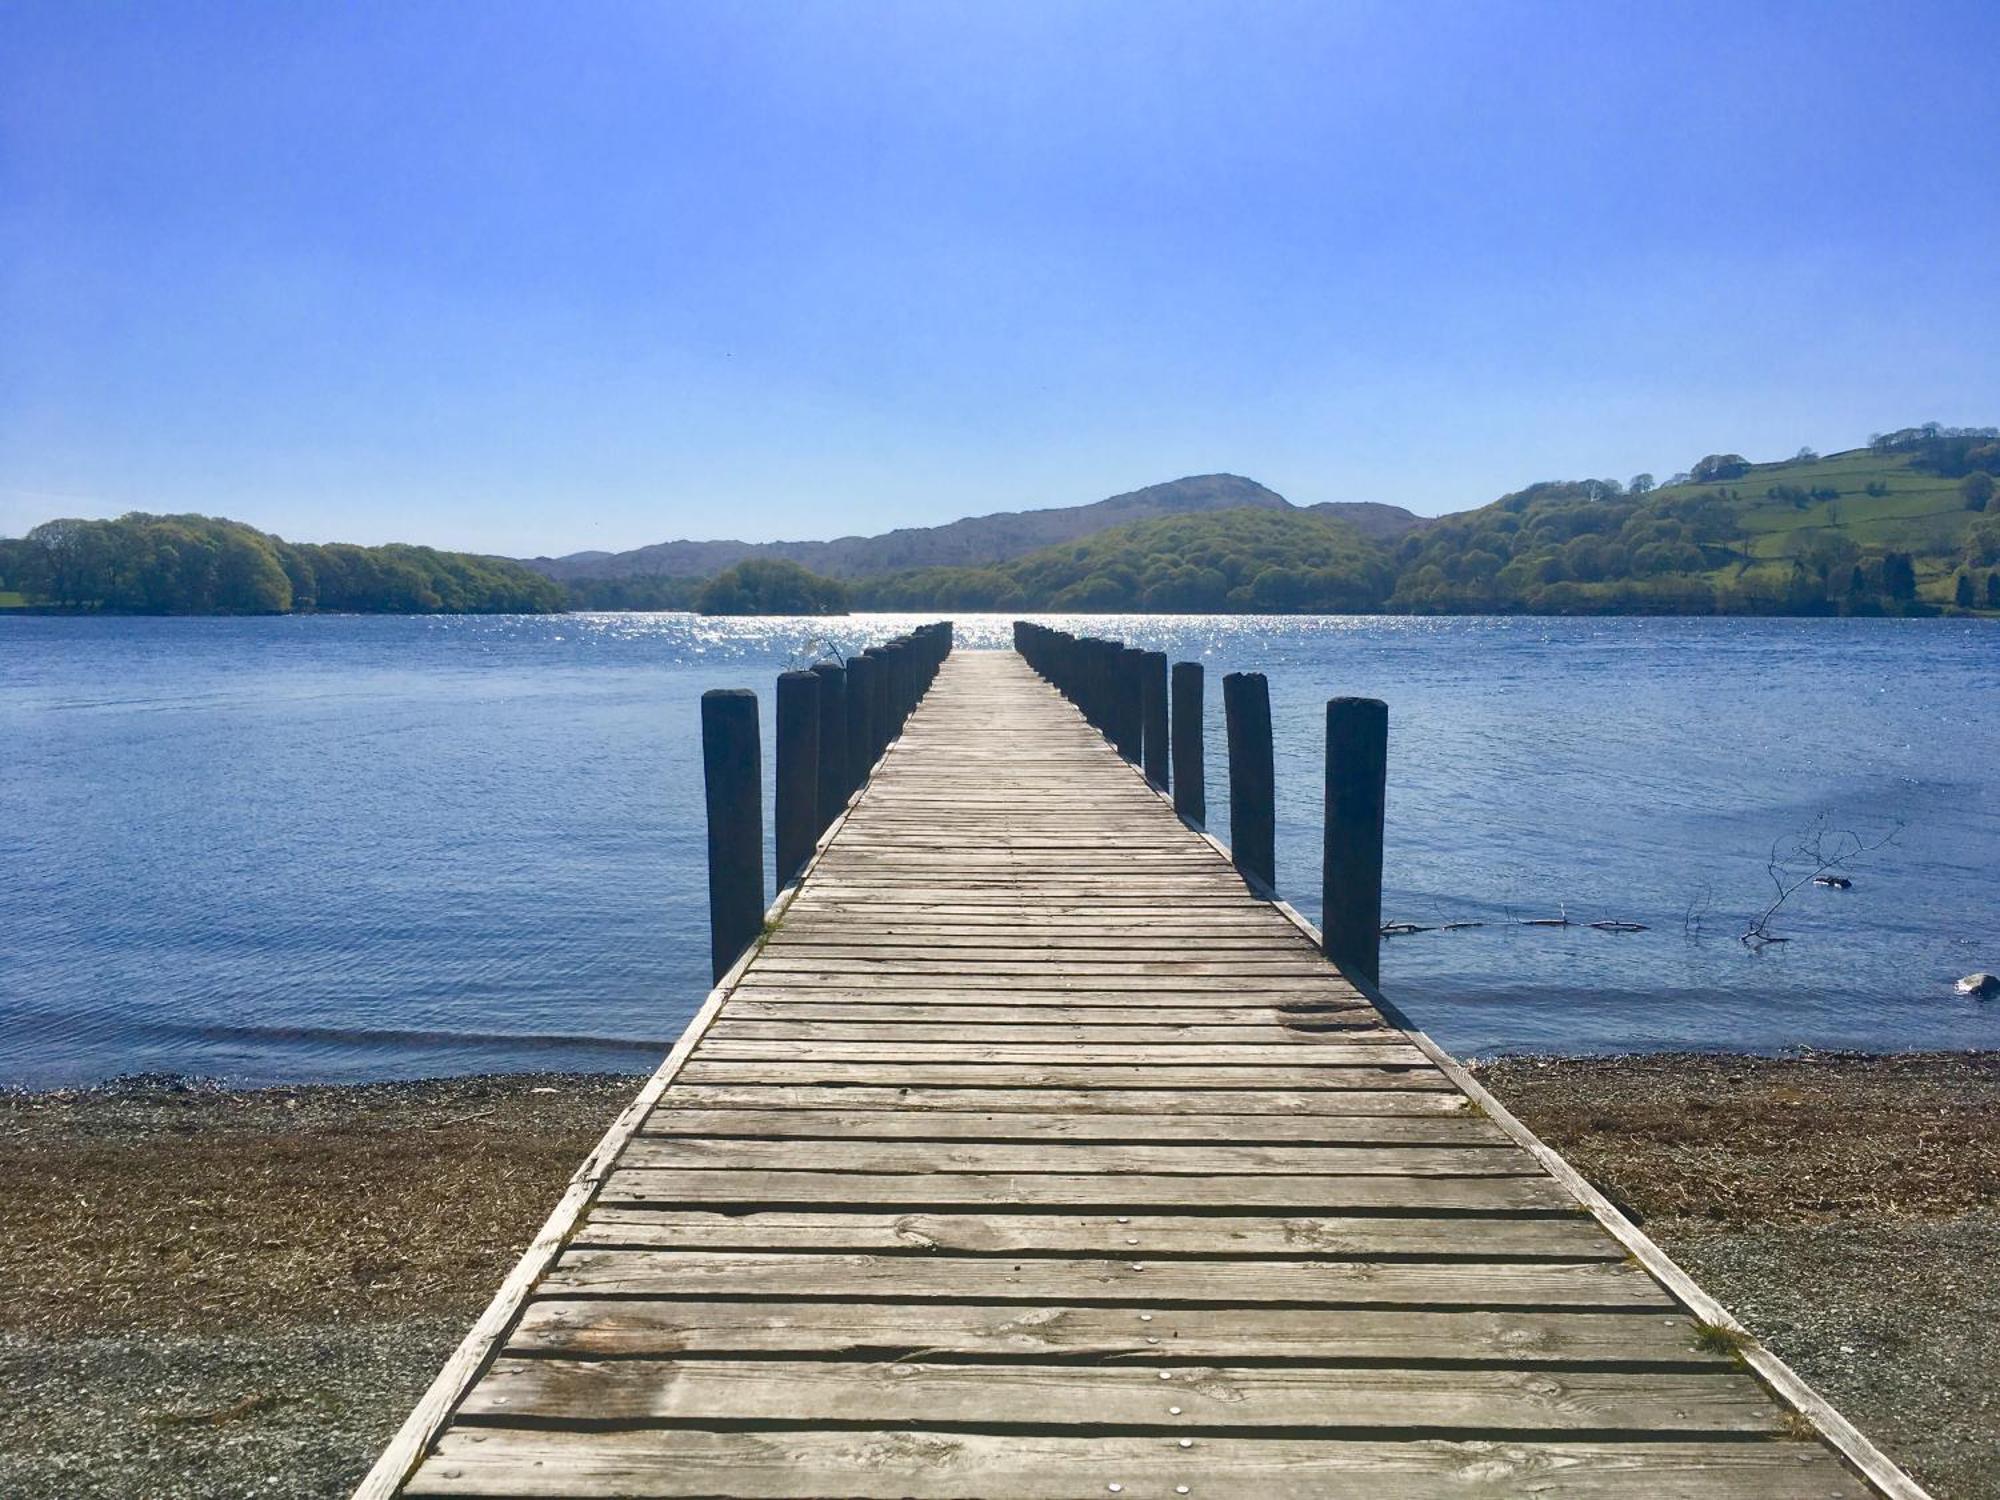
351,848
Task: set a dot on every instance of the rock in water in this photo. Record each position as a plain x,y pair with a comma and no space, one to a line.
1983,986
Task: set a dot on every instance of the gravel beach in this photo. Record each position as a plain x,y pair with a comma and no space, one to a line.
213,1293
1844,1208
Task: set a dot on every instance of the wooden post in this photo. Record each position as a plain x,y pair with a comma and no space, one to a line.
1128,727
902,654
882,711
798,772
1093,676
1357,774
860,719
1190,776
732,770
1246,710
833,784
1153,715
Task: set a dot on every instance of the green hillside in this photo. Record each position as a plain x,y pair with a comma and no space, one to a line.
1890,528
1898,527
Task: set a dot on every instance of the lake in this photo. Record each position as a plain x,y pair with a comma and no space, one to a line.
344,848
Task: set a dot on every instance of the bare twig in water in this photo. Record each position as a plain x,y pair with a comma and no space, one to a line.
1697,909
1817,850
818,649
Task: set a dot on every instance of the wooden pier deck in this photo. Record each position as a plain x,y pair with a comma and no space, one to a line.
1032,1156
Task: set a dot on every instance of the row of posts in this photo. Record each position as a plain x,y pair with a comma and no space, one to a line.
1153,716
833,723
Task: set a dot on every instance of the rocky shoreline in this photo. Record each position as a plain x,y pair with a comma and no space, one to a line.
215,1292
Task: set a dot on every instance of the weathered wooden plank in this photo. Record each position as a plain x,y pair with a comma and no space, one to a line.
1213,1283
1286,1052
1129,1191
702,1069
829,937
1310,1107
1238,988
810,913
1143,1235
925,1465
779,961
678,1153
1289,1005
1194,953
1191,1400
915,846
1137,1023
1132,888
1085,1040
674,1118
1049,893
597,1327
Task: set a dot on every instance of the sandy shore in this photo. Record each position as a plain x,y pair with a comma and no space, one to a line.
212,1293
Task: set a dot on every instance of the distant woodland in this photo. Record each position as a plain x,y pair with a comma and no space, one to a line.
1906,525
199,565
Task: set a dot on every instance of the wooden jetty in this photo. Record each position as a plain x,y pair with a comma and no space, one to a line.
1031,1154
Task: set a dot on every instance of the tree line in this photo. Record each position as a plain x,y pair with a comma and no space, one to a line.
204,565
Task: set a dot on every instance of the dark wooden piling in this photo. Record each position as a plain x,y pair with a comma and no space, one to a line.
1246,709
1357,770
1089,679
1153,716
902,682
1128,730
732,770
833,784
860,719
880,731
797,814
1190,788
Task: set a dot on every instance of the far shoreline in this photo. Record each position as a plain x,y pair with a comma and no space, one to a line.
1924,612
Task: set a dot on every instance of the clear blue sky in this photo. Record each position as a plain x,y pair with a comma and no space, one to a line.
529,278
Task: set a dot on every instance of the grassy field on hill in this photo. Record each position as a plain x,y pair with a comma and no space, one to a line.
1923,514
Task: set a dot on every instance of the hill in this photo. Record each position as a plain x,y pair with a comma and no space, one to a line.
1288,560
975,542
1898,527
1893,527
1371,518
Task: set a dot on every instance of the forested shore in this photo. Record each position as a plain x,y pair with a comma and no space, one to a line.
203,565
1904,526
